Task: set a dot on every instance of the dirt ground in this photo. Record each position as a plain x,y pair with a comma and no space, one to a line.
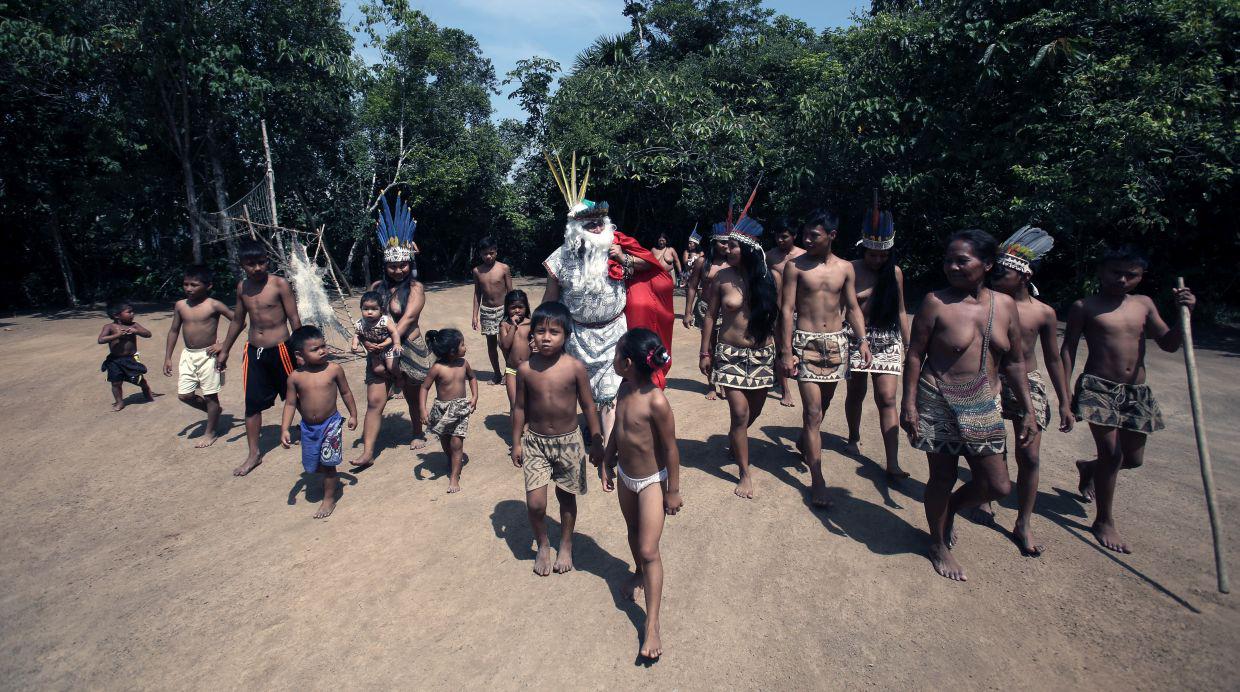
133,560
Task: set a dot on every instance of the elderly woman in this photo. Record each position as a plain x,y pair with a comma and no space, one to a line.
961,335
403,299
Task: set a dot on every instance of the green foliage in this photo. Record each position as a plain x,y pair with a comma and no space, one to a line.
127,124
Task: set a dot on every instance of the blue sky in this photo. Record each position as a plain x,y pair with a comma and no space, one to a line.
509,30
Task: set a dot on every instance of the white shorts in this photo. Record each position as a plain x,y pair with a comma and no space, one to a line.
198,372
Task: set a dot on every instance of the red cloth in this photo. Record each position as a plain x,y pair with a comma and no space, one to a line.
649,301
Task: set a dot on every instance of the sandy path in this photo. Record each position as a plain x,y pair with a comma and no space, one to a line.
132,559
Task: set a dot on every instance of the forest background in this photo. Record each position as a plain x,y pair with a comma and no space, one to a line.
129,124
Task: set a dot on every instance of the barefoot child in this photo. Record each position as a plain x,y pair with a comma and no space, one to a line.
122,364
818,291
1011,275
449,418
550,387
1111,393
492,281
312,391
643,453
267,302
199,315
373,332
713,261
514,339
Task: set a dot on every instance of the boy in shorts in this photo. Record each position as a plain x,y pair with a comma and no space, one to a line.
267,300
550,386
1111,394
199,314
312,391
492,281
122,364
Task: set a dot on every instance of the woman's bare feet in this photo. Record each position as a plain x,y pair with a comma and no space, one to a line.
564,559
1109,538
984,514
632,588
1085,467
818,496
1024,540
652,644
207,441
454,486
745,487
250,463
853,447
895,473
417,443
786,399
542,561
945,563
326,507
710,395
118,405
363,462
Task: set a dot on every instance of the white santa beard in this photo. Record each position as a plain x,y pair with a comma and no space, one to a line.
594,248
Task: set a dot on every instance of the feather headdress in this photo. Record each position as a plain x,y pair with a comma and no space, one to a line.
745,230
695,237
878,231
574,196
1025,247
395,231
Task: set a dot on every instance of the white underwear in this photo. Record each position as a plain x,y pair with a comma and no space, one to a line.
639,484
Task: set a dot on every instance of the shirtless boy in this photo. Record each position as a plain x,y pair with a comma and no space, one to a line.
122,364
199,315
492,281
514,339
666,254
312,391
1111,393
700,280
818,288
1037,323
785,249
550,387
267,302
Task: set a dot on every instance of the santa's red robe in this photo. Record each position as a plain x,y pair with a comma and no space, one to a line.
649,300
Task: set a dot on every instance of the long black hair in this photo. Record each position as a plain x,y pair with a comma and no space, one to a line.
884,302
401,290
763,306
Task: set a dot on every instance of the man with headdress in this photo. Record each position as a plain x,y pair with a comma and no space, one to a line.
610,283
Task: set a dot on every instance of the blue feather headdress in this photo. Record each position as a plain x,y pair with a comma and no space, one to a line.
878,231
695,237
395,231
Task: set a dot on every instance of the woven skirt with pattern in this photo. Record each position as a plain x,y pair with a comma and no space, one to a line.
886,345
939,429
743,368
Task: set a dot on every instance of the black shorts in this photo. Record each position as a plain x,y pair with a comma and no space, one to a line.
264,375
123,369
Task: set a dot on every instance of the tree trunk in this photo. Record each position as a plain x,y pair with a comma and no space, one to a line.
366,265
221,201
61,258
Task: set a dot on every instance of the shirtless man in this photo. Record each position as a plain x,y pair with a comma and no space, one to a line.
199,314
1037,322
268,303
1111,393
785,249
666,254
818,288
492,281
696,288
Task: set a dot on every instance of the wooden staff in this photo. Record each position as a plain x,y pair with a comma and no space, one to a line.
1203,447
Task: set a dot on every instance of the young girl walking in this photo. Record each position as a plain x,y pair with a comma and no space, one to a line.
642,450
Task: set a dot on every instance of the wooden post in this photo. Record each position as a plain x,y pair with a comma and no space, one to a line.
1203,446
271,190
245,212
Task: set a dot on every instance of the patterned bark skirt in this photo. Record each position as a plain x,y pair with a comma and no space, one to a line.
743,368
886,345
1037,392
939,430
1114,405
